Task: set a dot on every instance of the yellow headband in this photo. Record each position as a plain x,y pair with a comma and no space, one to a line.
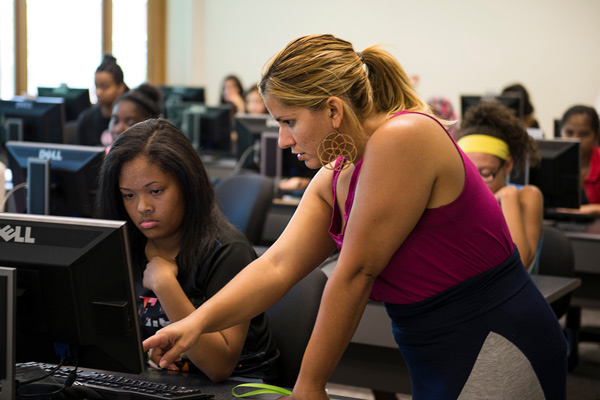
484,144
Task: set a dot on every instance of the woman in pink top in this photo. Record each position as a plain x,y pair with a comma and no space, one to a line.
416,228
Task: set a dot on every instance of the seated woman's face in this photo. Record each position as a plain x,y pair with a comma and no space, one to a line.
578,126
107,90
491,169
125,114
255,103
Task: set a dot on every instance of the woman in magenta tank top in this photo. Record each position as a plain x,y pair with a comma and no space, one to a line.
415,227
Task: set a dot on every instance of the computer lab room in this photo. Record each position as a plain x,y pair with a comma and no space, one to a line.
178,179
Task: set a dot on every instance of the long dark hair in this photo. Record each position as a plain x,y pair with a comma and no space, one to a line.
165,146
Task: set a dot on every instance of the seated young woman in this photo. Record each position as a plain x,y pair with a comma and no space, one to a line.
183,248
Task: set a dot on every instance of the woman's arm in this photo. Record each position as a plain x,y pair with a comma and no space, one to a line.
523,211
216,354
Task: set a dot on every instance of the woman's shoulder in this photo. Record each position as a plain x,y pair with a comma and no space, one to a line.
410,123
417,131
531,193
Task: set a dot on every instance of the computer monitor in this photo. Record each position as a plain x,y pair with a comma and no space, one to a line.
8,298
558,173
262,132
43,118
207,127
76,99
510,100
73,180
178,94
75,294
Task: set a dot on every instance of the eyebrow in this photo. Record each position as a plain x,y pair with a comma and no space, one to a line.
146,185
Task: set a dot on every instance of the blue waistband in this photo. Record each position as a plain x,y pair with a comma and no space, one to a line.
464,301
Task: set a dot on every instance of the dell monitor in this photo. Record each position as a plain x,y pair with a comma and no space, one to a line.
76,99
42,119
179,94
8,299
558,173
511,100
208,128
73,175
75,298
262,132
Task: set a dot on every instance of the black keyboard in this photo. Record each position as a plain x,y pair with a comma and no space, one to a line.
110,386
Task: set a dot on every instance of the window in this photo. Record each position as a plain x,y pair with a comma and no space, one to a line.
66,47
129,39
63,47
7,49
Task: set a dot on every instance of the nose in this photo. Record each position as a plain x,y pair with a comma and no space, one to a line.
285,139
144,205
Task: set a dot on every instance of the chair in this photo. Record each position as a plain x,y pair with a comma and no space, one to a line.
557,258
291,320
245,200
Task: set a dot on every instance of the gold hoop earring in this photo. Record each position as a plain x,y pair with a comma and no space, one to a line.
337,146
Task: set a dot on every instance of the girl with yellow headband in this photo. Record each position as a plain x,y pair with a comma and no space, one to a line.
497,143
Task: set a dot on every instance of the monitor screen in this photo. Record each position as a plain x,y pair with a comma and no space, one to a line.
262,131
510,100
73,179
178,94
558,173
7,332
75,293
76,99
43,119
208,128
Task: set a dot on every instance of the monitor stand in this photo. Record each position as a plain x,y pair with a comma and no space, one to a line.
8,297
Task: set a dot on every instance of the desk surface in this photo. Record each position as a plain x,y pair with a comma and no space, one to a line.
220,391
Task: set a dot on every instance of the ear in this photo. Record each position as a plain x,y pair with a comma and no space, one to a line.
334,108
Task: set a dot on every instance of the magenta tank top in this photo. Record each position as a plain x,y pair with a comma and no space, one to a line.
448,245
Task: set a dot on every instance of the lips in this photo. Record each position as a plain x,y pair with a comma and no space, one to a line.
148,224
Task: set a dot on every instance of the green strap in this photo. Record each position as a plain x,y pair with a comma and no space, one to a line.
262,389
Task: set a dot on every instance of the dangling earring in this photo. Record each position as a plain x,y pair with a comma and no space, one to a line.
337,146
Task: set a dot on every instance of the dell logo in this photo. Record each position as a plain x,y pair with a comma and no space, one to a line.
9,233
50,154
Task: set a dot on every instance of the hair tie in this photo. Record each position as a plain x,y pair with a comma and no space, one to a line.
362,59
478,143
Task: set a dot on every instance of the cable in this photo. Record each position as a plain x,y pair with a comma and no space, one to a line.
44,376
67,383
11,192
243,157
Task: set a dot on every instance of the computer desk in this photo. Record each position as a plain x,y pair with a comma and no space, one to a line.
585,239
220,391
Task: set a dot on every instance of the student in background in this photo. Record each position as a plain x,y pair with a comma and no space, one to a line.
529,119
416,228
443,109
496,142
582,122
254,101
109,86
183,248
232,93
131,107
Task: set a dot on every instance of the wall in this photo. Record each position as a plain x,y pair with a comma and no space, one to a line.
462,46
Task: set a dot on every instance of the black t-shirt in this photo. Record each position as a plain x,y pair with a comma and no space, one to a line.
90,125
231,253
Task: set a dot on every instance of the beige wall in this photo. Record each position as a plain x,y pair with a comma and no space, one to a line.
461,46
